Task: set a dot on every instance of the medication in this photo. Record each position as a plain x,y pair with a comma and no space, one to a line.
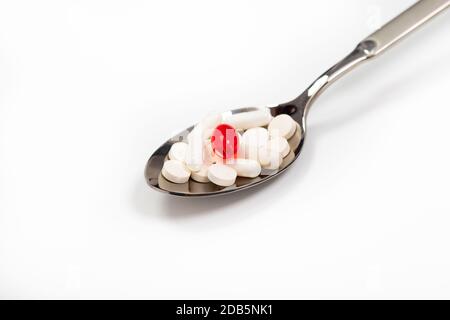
209,156
252,140
221,148
175,171
178,151
246,167
208,124
270,158
201,175
225,141
222,175
295,140
194,153
283,126
281,145
247,120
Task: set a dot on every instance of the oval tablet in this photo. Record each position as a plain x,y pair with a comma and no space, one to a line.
178,151
222,175
250,119
175,171
246,167
225,141
282,125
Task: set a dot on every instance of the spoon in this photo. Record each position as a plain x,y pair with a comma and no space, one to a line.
372,46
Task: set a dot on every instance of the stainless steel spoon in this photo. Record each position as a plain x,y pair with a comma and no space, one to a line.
372,46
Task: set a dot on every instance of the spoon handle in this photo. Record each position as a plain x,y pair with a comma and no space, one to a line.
405,23
376,43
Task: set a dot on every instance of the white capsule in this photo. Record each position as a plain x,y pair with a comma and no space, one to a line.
211,121
178,151
222,175
175,171
282,125
250,119
208,124
281,145
246,167
270,158
201,175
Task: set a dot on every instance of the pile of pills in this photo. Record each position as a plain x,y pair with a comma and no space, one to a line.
223,147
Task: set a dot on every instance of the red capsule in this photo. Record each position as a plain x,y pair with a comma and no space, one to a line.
225,141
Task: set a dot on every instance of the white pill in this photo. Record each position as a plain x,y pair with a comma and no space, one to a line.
209,157
288,159
208,124
270,158
250,119
258,136
281,145
295,140
194,153
192,162
211,121
201,175
252,140
178,151
282,125
175,171
222,175
246,167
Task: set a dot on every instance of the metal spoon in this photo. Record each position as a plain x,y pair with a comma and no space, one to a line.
372,46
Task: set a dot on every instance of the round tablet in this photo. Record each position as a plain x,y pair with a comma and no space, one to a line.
178,151
194,159
222,175
194,151
295,140
246,167
270,158
252,140
201,175
280,144
175,171
209,157
283,126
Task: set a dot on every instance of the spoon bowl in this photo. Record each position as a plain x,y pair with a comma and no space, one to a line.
196,189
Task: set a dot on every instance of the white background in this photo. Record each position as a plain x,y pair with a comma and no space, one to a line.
89,89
